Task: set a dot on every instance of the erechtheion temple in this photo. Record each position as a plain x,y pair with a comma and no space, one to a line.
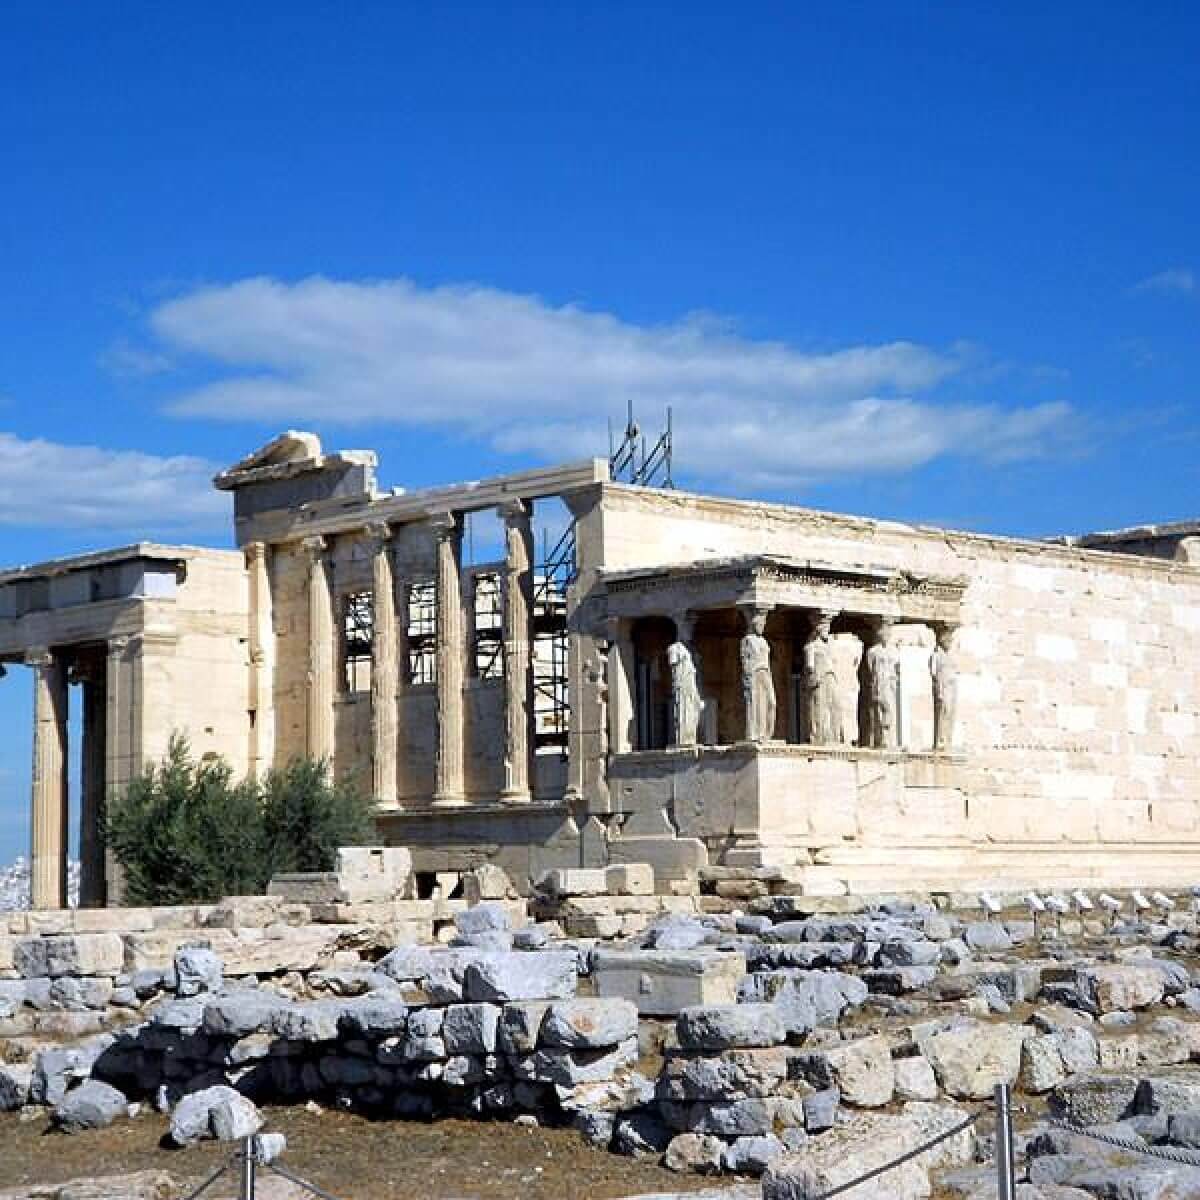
687,681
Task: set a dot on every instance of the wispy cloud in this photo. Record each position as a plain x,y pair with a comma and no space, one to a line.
52,485
1180,281
126,360
532,378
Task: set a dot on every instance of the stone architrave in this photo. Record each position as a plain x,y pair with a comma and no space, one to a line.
758,686
943,669
321,650
450,788
881,674
685,687
823,705
518,652
48,885
384,667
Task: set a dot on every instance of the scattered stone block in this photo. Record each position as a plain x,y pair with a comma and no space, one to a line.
470,1028
587,1024
70,954
1094,1099
969,1060
753,1155
92,1105
729,1075
724,1026
914,1078
522,975
629,879
487,882
865,1141
215,1112
696,1152
861,1070
197,969
662,984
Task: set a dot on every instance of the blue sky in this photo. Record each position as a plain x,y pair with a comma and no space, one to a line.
932,262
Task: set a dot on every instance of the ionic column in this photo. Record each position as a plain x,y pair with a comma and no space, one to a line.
384,677
518,657
262,659
321,652
92,892
120,690
49,824
449,788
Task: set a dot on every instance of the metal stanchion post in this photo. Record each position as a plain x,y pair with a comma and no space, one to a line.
249,1162
1005,1174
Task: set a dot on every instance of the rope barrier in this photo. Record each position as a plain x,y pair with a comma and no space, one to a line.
310,1187
916,1152
1166,1153
211,1179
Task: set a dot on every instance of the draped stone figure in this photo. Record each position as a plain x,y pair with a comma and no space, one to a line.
944,671
822,703
758,688
881,675
685,695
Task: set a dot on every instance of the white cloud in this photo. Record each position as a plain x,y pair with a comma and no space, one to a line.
52,485
1174,281
535,379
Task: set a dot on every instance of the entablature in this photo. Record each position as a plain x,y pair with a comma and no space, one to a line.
766,581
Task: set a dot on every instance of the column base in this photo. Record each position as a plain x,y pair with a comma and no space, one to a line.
449,800
516,796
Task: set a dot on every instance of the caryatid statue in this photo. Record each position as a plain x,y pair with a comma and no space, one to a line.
881,676
944,671
685,688
758,687
823,705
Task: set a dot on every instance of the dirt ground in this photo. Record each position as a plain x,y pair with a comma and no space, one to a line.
355,1159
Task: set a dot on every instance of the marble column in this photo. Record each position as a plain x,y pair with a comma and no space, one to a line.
92,893
384,664
120,742
321,653
449,788
518,652
50,813
262,658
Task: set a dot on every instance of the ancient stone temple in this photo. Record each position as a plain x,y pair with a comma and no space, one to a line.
687,681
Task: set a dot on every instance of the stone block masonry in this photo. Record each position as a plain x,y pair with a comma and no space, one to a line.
794,1040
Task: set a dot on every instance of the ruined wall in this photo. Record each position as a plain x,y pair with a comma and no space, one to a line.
190,674
1079,709
289,608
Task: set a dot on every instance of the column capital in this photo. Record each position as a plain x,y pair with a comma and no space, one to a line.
378,534
118,645
685,624
755,612
314,546
255,552
444,524
514,510
39,656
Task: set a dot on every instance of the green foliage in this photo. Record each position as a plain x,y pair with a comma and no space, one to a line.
306,816
187,832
